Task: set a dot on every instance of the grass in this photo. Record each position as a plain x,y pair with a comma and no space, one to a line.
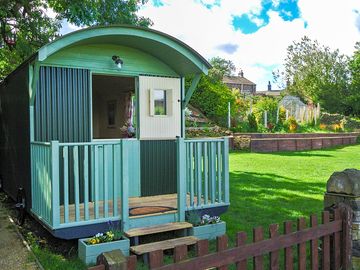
271,188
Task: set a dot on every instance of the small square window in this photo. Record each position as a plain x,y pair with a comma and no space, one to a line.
159,102
111,113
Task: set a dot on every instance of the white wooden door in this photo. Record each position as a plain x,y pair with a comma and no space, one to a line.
159,107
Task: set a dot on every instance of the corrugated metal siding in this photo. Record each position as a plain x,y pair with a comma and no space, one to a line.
62,105
158,167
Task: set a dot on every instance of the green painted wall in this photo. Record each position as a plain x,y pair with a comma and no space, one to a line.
158,167
97,57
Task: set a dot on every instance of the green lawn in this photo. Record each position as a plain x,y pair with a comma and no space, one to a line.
271,188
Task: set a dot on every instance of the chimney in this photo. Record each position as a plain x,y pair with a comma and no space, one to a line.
269,86
241,73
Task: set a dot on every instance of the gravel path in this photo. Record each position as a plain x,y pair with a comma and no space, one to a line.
13,253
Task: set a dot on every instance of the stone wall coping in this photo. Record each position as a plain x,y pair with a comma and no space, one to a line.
296,138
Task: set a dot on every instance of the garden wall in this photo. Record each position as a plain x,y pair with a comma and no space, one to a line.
264,142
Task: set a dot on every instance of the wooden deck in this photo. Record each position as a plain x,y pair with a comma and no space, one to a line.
167,200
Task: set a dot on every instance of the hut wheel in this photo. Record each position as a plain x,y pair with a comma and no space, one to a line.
20,206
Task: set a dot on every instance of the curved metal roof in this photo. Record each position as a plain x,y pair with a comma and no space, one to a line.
175,53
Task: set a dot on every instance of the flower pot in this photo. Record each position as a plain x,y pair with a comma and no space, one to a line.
209,231
89,253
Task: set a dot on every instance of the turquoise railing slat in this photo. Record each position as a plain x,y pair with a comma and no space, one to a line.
225,170
191,180
205,172
96,182
125,184
181,179
106,180
54,194
213,171
198,173
76,182
218,167
66,183
86,182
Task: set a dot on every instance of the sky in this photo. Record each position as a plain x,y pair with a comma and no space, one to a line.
254,34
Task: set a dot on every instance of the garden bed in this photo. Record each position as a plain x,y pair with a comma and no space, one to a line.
270,142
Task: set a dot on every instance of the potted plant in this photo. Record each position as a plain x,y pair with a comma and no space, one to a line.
206,226
90,248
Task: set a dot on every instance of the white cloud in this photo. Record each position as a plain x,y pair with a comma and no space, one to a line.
331,22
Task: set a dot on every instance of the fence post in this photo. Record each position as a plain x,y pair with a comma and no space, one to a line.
225,168
346,246
181,178
55,194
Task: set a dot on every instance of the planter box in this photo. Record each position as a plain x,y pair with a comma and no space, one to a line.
89,253
210,231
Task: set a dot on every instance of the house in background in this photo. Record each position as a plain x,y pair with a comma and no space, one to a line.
244,85
270,92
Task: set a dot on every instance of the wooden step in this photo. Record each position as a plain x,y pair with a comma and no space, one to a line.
163,245
173,226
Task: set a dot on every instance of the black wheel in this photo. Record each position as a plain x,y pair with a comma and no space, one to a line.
20,206
1,183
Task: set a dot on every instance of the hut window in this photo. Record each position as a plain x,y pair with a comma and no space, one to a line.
111,112
159,102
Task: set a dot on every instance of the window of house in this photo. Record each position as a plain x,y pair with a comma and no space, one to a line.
160,102
111,113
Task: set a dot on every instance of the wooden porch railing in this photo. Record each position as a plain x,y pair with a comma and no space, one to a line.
42,185
207,172
329,248
81,183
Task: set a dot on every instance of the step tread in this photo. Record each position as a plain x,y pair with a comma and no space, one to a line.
163,245
173,226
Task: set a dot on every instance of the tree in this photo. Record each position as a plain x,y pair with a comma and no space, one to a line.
98,12
212,99
317,74
24,28
25,25
353,100
220,68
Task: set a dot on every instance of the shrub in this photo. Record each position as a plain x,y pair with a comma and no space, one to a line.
291,124
329,119
253,125
242,142
350,123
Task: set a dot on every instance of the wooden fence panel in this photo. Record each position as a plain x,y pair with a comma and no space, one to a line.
274,256
336,244
222,244
314,246
338,251
325,259
241,241
288,254
258,235
301,246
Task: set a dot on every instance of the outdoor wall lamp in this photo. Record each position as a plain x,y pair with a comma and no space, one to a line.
118,61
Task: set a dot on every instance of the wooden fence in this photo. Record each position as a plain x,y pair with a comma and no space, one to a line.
329,248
